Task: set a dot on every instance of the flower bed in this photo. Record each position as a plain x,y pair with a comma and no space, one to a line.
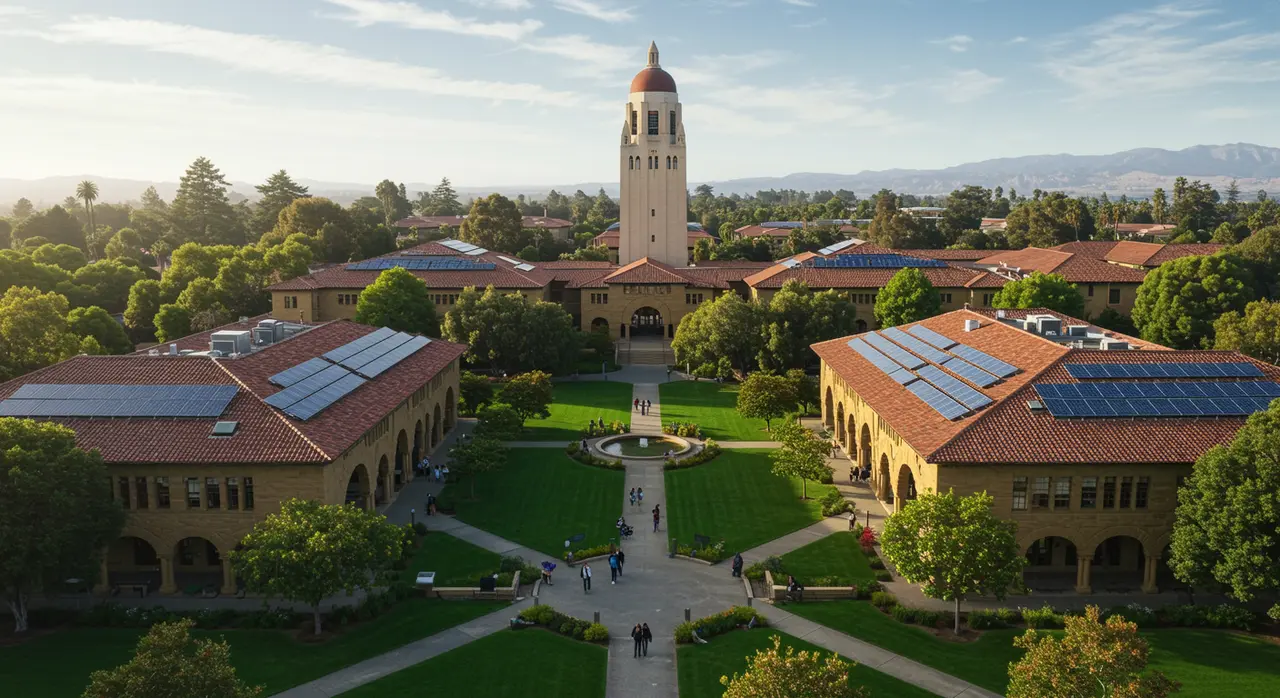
574,451
566,625
720,623
686,429
588,552
595,429
711,553
710,450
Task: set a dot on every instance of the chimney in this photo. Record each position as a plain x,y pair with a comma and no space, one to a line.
173,350
971,325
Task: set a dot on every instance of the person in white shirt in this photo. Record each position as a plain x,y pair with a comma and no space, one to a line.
586,578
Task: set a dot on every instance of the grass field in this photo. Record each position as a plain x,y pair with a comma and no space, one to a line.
543,663
58,665
578,403
712,406
456,562
1209,663
838,555
736,498
701,666
540,498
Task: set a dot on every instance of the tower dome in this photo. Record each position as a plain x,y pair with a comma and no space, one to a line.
652,78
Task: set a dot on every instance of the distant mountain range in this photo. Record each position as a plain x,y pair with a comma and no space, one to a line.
1134,172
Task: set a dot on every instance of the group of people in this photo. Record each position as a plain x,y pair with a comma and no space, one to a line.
617,559
858,475
437,473
642,637
637,495
642,406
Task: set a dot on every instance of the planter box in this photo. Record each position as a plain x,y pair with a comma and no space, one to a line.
503,594
694,559
779,593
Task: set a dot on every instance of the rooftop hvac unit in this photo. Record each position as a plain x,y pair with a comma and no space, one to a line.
230,342
1109,344
288,330
1000,314
971,325
1078,330
262,336
1046,324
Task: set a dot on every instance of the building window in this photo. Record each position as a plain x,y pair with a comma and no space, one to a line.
233,493
348,298
1114,296
631,163
124,492
599,298
1019,494
162,493
692,298
1140,495
193,493
212,493
1089,493
248,493
986,299
946,297
1040,493
633,122
140,487
1126,491
668,162
1109,492
675,162
653,123
1062,493
1091,290
653,238
672,121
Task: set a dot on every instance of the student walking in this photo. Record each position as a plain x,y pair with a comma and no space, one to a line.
622,558
613,568
633,496
637,636
640,495
635,404
656,515
645,638
586,578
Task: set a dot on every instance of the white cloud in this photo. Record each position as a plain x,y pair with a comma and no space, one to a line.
365,13
597,57
1157,51
718,69
957,42
503,4
801,3
966,85
1019,40
1229,113
296,60
604,12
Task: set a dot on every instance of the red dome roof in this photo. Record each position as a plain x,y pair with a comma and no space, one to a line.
653,79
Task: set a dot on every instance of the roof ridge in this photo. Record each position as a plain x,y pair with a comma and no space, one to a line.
274,413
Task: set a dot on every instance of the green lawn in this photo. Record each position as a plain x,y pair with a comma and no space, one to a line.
838,555
701,666
576,404
1209,663
712,406
456,562
540,498
58,665
736,498
543,663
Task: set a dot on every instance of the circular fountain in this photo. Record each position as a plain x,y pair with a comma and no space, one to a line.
642,446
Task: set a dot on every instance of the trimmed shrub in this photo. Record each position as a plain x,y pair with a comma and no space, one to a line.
574,451
686,429
719,623
566,625
596,633
756,570
1135,613
591,551
883,576
1044,617
883,600
1227,616
876,563
710,450
985,620
834,503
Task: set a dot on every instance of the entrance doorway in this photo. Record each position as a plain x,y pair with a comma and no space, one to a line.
647,322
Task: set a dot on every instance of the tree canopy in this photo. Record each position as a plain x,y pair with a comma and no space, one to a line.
201,211
908,297
797,318
1040,290
55,225
475,456
725,333
168,662
1255,332
277,192
1052,219
510,333
33,331
399,300
529,394
803,454
98,323
1178,301
766,396
772,672
493,223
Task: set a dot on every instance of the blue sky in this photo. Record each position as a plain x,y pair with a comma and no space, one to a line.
508,92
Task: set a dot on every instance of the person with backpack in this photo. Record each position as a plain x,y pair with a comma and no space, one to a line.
645,638
586,578
656,515
637,636
622,558
613,568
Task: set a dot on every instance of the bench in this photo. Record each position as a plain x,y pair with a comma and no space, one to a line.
141,588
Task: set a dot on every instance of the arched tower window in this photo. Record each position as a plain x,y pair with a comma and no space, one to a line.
668,162
673,122
631,163
675,162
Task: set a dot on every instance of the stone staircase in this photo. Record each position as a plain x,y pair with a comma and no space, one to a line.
646,352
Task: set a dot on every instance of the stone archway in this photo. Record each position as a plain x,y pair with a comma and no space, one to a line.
840,424
859,326
403,466
647,321
358,488
417,454
850,446
1120,565
450,409
383,483
435,426
1053,563
132,560
828,411
884,483
905,491
864,447
599,324
199,566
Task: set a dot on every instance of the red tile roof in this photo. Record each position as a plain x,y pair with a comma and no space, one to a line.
1076,268
200,340
265,435
828,277
648,271
945,254
986,280
1150,254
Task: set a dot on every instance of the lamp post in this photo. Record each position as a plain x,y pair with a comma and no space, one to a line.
413,517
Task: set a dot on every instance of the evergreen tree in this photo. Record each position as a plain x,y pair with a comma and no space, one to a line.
277,192
444,200
201,211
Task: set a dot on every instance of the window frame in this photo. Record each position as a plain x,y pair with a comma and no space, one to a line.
1109,492
653,123
1142,492
1089,492
1020,490
1113,296
1037,492
162,492
212,493
248,494
1061,499
1126,492
141,493
193,492
233,493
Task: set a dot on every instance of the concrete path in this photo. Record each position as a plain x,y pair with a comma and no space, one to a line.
749,444
404,657
874,657
651,422
797,539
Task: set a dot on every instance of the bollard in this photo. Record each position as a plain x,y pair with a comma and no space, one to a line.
596,617
686,615
749,600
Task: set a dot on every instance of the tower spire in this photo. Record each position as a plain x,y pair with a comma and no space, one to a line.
653,54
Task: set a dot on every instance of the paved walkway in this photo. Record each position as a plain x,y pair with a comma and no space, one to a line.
798,539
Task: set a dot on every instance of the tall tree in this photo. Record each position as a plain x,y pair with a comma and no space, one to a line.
494,223
1052,219
1224,532
168,662
151,201
803,454
772,672
954,547
201,211
106,283
766,396
55,225
723,335
444,200
475,456
23,208
65,257
144,303
965,209
57,515
172,322
1092,659
1256,332
1178,302
389,194
125,243
6,234
510,333
87,192
1040,290
310,551
529,394
97,323
399,300
898,229
277,192
908,297
33,331
1195,205
798,318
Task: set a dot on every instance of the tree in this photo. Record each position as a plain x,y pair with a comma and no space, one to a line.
444,200
169,662
725,332
320,219
771,673
955,547
590,253
1228,233
1255,333
144,303
1114,320
125,243
201,211
510,333
57,516
33,331
766,396
494,223
98,323
803,454
908,297
105,283
277,192
172,321
203,303
1052,219
1179,300
965,210
87,192
475,390
1224,532
395,205
1040,290
310,551
289,260
241,284
1261,251
54,225
1194,205
475,456
65,256
399,300
529,394
897,229
23,208
499,421
806,388
151,201
797,318
1092,658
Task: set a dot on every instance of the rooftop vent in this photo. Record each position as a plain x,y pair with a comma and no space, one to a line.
1035,405
971,325
1078,330
1000,314
225,428
1109,344
230,342
173,350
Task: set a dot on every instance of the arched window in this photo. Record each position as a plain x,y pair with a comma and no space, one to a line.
668,162
631,163
675,162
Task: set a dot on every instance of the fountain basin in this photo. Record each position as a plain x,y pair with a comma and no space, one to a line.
654,446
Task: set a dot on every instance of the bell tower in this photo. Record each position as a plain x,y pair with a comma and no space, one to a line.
654,204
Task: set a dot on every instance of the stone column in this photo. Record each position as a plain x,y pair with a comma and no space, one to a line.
104,577
1084,573
228,576
1149,575
167,585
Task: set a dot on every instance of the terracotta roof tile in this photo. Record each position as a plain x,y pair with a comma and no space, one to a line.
986,280
1151,254
648,271
946,254
1074,267
826,277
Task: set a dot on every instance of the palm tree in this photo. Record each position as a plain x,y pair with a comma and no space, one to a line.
87,191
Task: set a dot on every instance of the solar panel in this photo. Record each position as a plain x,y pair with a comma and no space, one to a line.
305,387
790,225
1165,370
877,359
424,264
476,251
873,261
376,367
101,400
306,369
524,267
508,259
969,372
938,400
836,247
954,388
893,351
983,361
1159,389
356,346
902,376
915,345
790,263
357,360
314,403
931,337
1155,407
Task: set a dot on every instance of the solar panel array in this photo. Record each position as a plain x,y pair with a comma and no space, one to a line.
915,345
1158,389
946,394
463,247
877,359
986,362
955,388
100,400
356,346
873,261
938,400
932,337
895,352
1157,399
422,264
837,246
305,369
969,372
1170,370
788,225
